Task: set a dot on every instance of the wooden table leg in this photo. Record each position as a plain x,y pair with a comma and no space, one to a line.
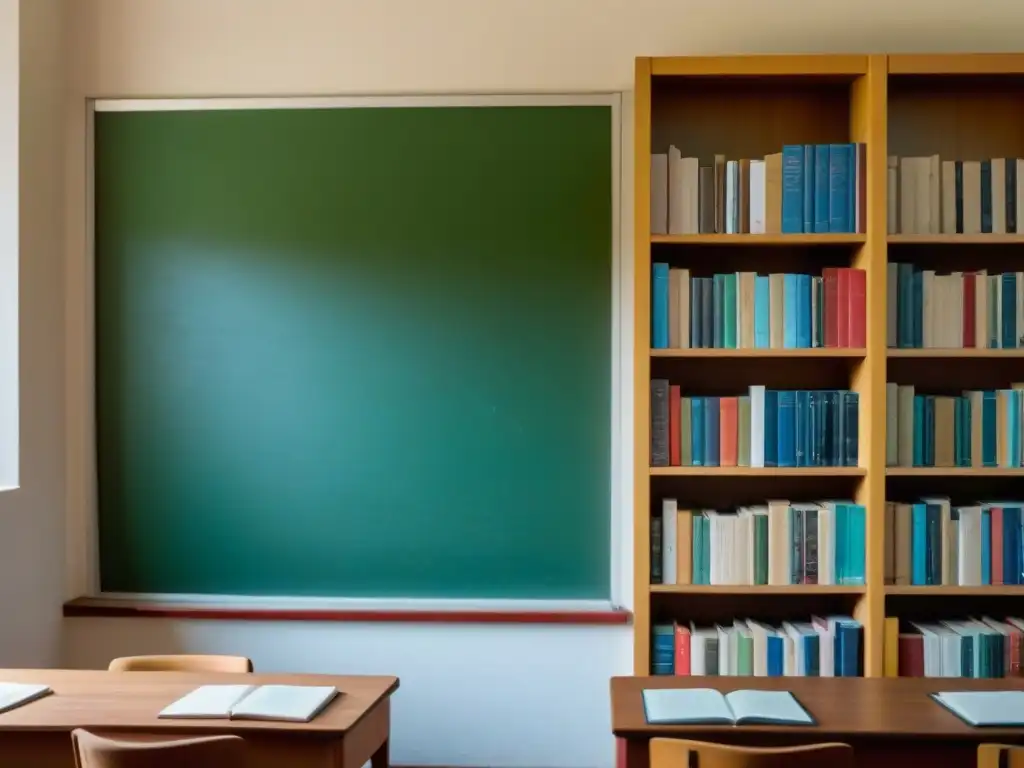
381,758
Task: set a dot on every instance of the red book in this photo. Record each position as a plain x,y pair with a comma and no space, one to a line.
910,652
969,310
858,308
675,447
830,312
728,437
682,648
842,307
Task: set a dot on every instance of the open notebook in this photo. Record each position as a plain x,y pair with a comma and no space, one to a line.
291,703
985,708
14,695
706,706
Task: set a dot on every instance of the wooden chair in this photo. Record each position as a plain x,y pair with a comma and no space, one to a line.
181,663
683,753
92,751
1000,756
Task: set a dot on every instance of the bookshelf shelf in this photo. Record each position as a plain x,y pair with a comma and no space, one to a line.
980,239
824,353
950,591
758,240
973,352
758,471
954,472
761,589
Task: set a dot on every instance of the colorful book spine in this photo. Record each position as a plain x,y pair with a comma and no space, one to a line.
747,310
777,543
776,428
980,428
821,646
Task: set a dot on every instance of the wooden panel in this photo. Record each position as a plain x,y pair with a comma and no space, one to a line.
956,64
956,117
641,364
868,125
714,491
795,65
86,606
746,118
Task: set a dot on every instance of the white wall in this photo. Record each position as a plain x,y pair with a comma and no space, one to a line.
32,100
475,696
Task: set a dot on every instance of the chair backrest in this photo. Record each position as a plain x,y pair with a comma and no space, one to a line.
683,753
1000,756
181,663
92,751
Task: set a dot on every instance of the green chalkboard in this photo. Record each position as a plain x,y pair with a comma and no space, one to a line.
355,352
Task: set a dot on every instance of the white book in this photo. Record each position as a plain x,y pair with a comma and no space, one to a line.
985,708
290,703
757,394
757,201
14,695
691,706
676,192
669,538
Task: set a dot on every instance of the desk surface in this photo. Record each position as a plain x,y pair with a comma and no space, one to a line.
866,707
129,701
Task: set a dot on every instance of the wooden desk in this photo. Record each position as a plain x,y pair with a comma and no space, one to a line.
352,729
888,721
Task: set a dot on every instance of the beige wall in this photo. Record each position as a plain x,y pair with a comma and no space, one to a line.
32,517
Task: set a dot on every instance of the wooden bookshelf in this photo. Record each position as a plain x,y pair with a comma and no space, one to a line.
960,106
751,106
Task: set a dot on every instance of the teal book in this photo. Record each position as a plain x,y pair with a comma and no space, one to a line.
985,709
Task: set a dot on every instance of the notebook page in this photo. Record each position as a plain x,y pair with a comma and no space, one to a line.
207,701
14,695
291,703
768,707
667,706
985,707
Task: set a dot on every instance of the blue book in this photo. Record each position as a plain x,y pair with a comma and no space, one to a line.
840,163
989,419
790,311
821,188
919,545
808,187
711,432
771,428
762,312
1009,311
697,431
803,314
659,306
787,428
793,189
802,412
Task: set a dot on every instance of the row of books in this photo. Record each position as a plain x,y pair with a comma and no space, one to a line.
747,310
927,310
764,428
934,542
976,647
803,188
776,543
930,195
981,428
828,646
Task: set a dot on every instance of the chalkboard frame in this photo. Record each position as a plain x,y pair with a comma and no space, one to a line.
83,554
